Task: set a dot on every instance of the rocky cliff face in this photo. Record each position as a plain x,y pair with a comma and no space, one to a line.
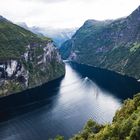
113,45
26,60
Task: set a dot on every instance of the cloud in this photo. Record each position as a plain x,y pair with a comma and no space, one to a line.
64,13
46,1
56,1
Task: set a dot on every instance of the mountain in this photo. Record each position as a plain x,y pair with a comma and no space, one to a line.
26,61
59,36
125,125
113,45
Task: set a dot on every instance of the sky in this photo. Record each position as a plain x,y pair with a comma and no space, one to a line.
64,13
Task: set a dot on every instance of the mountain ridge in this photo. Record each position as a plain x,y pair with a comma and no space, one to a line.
113,45
26,60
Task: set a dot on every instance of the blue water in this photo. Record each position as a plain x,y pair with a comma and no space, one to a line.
63,106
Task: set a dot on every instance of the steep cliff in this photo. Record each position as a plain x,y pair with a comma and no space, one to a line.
113,45
26,60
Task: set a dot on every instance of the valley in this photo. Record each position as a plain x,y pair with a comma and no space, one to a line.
60,80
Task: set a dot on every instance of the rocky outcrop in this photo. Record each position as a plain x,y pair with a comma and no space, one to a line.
26,61
113,45
30,70
13,69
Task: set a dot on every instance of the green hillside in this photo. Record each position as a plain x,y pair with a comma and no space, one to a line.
26,60
13,39
113,45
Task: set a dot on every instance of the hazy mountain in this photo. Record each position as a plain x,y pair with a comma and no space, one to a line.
59,36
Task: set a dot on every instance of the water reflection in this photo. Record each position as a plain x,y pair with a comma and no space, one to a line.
82,94
63,106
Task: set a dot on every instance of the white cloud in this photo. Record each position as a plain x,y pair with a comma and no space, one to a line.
65,13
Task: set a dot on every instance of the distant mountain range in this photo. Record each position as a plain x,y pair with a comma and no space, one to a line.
111,44
59,36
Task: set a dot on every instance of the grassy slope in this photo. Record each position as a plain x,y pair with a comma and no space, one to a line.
13,39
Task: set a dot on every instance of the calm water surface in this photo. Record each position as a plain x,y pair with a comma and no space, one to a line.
63,106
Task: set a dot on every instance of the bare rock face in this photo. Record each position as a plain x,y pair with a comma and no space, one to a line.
12,69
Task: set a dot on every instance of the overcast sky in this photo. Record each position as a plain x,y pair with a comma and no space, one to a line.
64,13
